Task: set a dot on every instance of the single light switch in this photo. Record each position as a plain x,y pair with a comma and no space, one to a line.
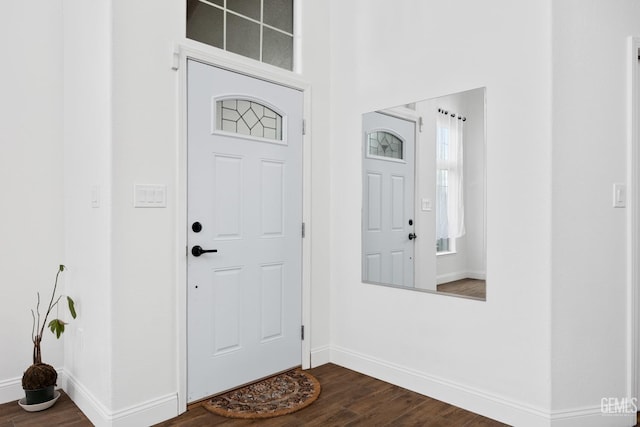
425,205
619,195
149,196
95,196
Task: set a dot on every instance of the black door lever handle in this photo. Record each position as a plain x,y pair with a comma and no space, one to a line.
197,251
412,236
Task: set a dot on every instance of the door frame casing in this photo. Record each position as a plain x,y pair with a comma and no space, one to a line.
181,54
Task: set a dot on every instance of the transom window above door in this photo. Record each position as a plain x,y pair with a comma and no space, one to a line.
258,29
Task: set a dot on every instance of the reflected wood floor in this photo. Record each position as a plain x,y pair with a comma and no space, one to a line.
467,287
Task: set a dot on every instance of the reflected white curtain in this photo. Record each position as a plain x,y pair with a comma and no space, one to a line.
450,176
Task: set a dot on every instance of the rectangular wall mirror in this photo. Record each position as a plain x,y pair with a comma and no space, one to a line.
423,210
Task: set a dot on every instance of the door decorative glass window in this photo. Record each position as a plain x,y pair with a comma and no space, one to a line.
248,117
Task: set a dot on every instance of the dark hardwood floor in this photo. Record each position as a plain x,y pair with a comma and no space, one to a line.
63,413
347,399
352,399
466,287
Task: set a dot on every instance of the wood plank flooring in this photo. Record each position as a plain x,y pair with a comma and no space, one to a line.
352,399
467,287
347,399
63,413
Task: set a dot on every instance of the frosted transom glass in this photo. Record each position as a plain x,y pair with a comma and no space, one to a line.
249,118
277,49
385,144
258,29
205,23
249,8
279,14
243,36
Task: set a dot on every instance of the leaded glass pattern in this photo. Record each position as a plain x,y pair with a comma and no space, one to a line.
385,144
249,118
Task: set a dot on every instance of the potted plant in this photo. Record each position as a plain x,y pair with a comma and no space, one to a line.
39,380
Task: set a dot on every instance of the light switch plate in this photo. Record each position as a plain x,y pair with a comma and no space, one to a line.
619,195
95,196
149,196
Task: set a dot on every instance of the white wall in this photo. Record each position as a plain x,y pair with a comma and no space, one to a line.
492,357
552,339
589,293
31,173
88,170
144,249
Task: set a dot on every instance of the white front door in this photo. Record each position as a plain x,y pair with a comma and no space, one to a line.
388,211
244,202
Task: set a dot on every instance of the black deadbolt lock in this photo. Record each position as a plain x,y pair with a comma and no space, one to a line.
196,227
410,222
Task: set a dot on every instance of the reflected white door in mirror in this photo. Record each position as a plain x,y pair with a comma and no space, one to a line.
387,228
423,212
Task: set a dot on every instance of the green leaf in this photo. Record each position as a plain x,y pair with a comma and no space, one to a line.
57,327
72,307
61,268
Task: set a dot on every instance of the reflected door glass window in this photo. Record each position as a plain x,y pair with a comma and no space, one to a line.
385,144
258,29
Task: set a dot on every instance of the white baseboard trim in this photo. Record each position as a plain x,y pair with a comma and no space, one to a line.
320,356
97,413
11,389
591,417
147,413
450,277
487,404
479,275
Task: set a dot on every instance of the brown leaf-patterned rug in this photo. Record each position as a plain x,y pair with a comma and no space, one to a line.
275,396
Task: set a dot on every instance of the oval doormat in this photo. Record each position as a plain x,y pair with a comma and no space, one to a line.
275,396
